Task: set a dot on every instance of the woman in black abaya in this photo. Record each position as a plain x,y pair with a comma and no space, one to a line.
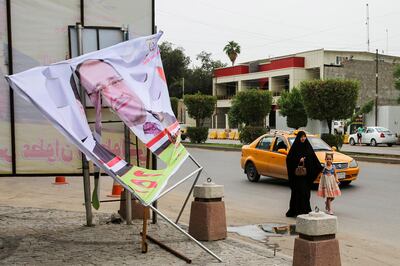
301,152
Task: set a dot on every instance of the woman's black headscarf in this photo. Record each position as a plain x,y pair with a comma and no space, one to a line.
299,150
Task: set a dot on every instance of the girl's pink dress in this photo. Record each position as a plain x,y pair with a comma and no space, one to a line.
327,184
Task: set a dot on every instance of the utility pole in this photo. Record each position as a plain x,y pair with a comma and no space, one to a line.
183,87
387,41
367,23
183,94
376,88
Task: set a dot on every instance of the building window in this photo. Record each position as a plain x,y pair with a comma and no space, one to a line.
341,59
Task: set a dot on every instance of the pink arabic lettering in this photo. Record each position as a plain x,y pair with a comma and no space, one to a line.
49,152
147,184
4,155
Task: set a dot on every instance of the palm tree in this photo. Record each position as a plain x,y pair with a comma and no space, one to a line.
232,49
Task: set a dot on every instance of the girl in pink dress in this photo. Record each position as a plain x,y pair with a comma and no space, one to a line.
328,184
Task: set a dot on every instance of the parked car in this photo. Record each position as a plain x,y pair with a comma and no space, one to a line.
267,156
338,127
374,136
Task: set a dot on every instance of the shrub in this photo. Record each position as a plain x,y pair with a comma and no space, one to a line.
197,134
200,107
330,99
333,140
250,107
291,105
174,105
250,133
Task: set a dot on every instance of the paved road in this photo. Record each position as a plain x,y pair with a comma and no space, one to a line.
368,211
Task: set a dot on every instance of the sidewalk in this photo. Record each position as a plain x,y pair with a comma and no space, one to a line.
35,236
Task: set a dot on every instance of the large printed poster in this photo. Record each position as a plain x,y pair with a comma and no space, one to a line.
129,78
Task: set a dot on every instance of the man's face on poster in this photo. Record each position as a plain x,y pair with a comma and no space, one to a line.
97,75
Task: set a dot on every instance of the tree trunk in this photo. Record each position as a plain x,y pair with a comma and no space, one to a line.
329,121
232,57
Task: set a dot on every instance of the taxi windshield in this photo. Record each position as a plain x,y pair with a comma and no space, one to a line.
317,144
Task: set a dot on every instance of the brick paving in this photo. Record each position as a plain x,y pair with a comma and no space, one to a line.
33,236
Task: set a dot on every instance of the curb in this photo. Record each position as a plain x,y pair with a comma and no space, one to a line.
362,157
210,147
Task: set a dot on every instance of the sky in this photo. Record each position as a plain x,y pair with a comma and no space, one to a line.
268,28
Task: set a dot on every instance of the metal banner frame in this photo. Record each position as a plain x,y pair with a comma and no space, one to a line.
128,190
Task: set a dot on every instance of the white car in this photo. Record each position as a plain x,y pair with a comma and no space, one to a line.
338,127
374,136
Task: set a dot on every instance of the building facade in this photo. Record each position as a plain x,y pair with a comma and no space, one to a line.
281,74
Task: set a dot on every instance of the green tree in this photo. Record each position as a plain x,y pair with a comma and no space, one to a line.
174,105
232,49
199,79
365,109
175,64
250,107
331,99
397,79
200,107
291,105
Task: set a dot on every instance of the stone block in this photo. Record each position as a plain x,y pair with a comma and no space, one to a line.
316,224
208,191
316,253
208,220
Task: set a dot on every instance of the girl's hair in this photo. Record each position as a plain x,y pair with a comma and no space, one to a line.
329,154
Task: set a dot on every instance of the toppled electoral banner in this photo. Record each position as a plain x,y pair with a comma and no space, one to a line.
129,79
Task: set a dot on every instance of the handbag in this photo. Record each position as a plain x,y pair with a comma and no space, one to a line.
300,170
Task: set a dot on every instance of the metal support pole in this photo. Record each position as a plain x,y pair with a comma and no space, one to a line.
376,89
191,190
180,182
11,91
154,167
187,197
85,163
128,195
185,233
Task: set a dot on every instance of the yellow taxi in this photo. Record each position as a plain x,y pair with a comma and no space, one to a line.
267,156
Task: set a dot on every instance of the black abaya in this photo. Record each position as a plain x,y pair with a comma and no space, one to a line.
301,185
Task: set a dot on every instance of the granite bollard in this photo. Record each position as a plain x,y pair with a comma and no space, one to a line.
207,213
316,244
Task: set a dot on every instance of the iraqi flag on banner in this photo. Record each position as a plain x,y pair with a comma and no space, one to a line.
129,79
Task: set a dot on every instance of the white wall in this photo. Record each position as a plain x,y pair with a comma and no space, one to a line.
389,117
281,122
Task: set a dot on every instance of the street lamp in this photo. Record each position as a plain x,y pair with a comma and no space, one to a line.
376,89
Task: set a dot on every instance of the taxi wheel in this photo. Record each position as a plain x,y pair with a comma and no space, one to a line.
251,171
352,142
344,183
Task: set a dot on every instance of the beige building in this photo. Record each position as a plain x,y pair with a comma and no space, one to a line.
281,74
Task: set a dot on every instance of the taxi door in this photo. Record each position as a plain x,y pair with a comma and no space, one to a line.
262,154
278,160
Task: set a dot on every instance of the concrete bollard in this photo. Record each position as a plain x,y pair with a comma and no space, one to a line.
316,244
207,213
